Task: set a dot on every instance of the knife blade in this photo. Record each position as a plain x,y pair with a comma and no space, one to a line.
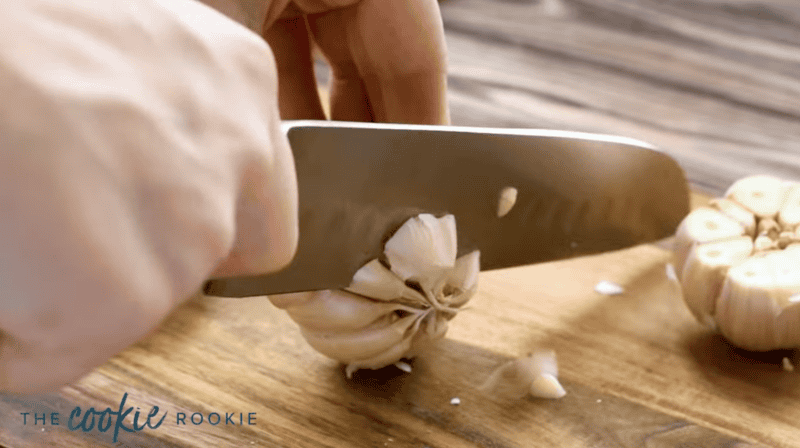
577,194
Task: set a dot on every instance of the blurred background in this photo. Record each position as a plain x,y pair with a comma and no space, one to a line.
714,83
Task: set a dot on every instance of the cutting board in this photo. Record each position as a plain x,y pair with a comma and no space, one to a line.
638,371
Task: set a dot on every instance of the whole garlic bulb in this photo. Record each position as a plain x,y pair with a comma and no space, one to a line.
738,262
390,312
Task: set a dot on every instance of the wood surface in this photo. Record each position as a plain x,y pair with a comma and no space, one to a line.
714,83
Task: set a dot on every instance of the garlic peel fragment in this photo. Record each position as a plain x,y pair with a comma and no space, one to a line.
608,288
404,366
787,364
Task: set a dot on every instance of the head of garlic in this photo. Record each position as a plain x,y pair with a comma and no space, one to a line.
738,261
394,307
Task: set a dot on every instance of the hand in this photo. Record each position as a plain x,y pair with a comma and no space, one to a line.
141,150
387,57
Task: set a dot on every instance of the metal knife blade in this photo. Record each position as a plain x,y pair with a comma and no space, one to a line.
578,194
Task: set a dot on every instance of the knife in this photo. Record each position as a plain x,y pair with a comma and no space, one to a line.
577,194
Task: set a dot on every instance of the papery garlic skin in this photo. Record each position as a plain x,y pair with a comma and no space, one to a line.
393,312
740,274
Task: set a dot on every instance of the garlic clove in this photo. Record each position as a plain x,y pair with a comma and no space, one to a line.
608,288
736,212
787,276
361,344
423,340
763,195
786,296
463,279
702,225
789,214
375,281
746,309
378,361
338,311
423,249
705,270
284,301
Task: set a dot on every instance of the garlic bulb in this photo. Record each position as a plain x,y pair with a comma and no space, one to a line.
739,263
388,313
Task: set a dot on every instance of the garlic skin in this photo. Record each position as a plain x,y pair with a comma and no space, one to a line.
742,275
390,313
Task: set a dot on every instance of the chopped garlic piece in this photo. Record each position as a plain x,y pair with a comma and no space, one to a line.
536,375
508,197
547,386
787,365
608,288
455,401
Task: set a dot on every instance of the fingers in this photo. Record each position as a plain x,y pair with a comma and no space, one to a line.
388,60
297,86
349,100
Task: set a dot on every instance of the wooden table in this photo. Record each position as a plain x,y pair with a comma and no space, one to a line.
715,83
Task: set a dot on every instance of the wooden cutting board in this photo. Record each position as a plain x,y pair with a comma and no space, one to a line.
638,370
713,82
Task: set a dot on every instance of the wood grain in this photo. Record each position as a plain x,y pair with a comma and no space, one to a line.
638,371
715,83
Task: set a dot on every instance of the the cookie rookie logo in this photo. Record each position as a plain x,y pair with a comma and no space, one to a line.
103,421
